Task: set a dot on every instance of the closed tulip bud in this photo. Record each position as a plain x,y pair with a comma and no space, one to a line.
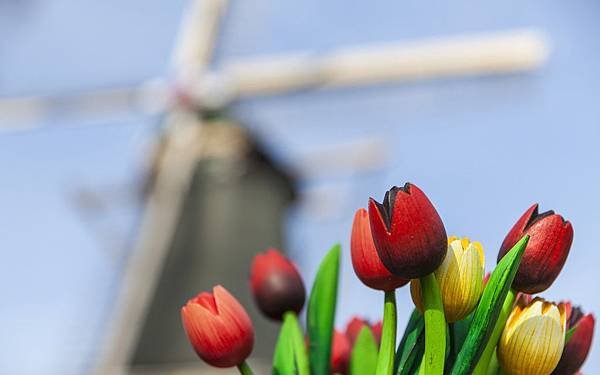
340,353
460,279
578,347
533,338
365,260
276,285
218,328
546,252
408,233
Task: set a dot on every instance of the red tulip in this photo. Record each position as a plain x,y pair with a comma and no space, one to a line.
578,347
353,328
276,285
377,328
365,260
218,328
408,233
340,353
546,252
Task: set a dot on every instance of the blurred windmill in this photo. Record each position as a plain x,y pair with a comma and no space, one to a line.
200,153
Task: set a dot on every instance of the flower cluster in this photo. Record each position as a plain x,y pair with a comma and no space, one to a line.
464,321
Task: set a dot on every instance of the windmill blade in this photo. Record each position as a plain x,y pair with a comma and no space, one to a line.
87,107
467,55
498,53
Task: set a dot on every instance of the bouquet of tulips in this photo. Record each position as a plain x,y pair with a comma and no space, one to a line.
464,322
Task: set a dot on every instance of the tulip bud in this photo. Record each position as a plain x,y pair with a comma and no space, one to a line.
365,260
340,353
276,285
460,279
408,233
578,347
218,328
546,252
533,338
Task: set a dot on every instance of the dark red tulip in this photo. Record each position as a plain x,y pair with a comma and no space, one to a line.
276,285
353,328
547,250
340,353
578,347
408,233
365,260
218,328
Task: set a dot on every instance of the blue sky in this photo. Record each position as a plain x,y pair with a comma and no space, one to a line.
483,149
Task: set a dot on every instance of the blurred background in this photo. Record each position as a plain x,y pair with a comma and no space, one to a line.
148,149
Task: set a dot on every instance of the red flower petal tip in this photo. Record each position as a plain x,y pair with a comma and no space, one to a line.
218,328
547,250
408,233
365,259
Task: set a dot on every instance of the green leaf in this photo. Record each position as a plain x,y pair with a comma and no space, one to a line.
488,310
321,312
364,353
435,327
490,347
290,352
411,347
570,333
461,329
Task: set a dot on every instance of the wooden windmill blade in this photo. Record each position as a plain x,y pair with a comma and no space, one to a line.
433,58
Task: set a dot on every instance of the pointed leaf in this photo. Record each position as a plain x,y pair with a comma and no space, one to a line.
411,347
364,354
290,352
488,310
321,312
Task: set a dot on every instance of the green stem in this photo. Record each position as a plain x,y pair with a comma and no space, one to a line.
245,369
385,360
435,327
490,346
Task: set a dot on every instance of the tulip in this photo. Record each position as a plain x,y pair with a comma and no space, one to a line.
546,252
408,233
365,260
578,347
218,328
276,285
533,338
340,353
460,279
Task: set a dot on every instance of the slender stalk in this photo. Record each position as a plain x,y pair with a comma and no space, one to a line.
385,360
245,369
435,327
490,346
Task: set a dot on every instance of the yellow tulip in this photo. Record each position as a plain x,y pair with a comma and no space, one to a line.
460,279
533,338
